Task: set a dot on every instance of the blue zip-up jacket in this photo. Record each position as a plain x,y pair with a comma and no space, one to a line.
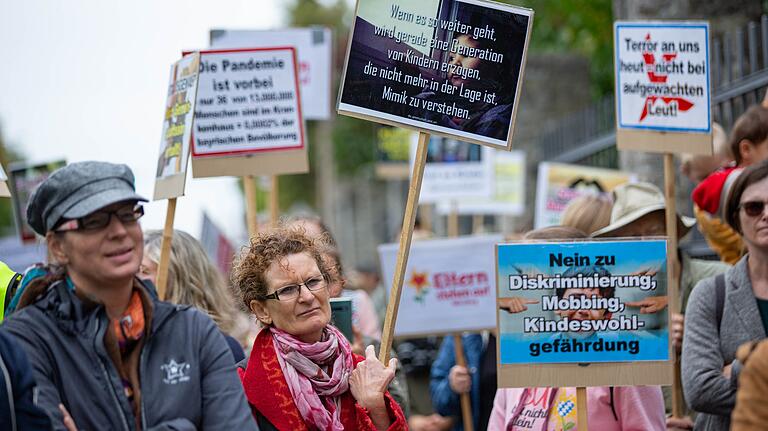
187,374
444,400
18,411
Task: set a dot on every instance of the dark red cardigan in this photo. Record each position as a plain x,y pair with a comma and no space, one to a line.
268,393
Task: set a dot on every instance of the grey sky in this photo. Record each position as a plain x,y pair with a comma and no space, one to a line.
86,79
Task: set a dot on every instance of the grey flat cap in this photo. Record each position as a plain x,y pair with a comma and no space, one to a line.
77,190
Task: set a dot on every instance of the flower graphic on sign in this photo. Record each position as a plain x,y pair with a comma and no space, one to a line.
564,408
420,282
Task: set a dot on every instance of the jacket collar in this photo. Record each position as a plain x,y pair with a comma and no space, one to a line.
72,313
266,388
739,293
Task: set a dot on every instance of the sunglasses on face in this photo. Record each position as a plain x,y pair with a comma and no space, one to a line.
100,219
752,208
292,291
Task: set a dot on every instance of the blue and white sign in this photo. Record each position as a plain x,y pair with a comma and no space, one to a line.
581,302
662,76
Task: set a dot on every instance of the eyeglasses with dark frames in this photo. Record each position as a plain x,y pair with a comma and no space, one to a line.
752,208
100,219
292,291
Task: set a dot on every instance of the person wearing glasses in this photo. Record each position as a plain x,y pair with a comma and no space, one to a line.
726,311
301,373
105,352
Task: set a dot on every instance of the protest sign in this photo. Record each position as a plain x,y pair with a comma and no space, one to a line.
177,128
662,85
4,191
392,152
508,194
23,179
455,170
452,68
447,289
580,303
558,184
313,51
248,104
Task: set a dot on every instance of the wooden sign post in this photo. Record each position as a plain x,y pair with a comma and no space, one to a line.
375,87
251,207
274,198
458,345
406,234
664,107
172,162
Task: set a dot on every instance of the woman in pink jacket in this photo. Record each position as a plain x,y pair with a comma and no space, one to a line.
630,408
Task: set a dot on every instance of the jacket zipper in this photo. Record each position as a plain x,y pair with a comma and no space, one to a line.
108,379
142,368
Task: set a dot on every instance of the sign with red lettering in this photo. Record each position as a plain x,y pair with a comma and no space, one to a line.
662,76
662,85
446,289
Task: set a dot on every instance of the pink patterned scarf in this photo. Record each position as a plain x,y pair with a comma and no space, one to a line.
304,366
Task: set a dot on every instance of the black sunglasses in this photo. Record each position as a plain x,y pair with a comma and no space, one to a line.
752,208
100,219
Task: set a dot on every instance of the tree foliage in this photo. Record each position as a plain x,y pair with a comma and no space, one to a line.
576,26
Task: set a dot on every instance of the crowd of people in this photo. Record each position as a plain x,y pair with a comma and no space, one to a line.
87,343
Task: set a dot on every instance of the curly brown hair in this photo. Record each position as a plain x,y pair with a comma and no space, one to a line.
251,265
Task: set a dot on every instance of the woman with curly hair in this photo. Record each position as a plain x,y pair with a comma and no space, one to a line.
301,373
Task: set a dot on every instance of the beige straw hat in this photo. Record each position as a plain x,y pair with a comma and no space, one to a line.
635,200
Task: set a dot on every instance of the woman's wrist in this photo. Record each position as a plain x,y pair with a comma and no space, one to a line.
373,403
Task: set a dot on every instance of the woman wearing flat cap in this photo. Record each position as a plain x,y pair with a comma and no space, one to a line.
302,374
106,353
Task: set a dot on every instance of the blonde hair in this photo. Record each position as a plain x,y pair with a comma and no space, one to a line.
587,213
193,279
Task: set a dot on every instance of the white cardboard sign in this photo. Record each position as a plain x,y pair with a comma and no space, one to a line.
314,52
508,196
455,170
446,288
662,76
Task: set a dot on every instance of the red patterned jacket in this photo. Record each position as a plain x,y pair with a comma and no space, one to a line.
269,396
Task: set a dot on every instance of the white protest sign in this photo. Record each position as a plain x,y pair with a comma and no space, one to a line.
4,192
248,104
455,170
446,289
177,128
662,78
314,51
508,195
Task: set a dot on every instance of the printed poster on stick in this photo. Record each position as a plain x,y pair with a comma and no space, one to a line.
248,118
392,152
314,53
177,128
446,289
4,191
586,302
558,184
452,67
508,193
663,86
455,170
